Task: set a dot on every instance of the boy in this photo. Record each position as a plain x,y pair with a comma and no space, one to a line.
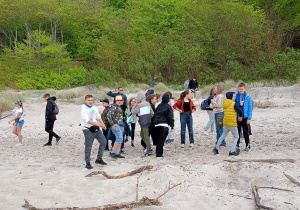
245,102
105,104
115,119
153,81
90,122
145,112
186,84
230,108
193,85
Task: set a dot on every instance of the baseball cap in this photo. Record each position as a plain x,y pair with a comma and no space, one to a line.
105,100
119,98
19,102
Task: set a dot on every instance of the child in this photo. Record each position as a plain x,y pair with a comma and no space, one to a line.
105,104
245,102
217,106
210,113
186,107
18,121
115,118
230,108
170,135
193,85
186,84
131,119
143,109
90,122
163,119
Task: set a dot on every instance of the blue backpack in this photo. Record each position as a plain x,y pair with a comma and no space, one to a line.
204,105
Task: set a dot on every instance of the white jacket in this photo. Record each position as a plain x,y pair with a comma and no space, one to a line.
88,114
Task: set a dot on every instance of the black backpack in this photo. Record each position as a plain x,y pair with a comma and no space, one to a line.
204,105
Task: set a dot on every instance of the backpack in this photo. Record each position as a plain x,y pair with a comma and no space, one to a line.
204,104
56,109
104,117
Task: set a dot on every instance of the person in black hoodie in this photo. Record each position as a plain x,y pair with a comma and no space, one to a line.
163,118
193,85
50,117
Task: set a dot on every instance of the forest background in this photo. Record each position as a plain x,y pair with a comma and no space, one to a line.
68,43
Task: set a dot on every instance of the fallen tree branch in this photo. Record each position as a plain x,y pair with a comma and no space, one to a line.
169,188
241,196
139,170
257,198
291,179
275,188
262,160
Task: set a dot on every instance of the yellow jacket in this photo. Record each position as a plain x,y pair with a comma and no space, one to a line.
230,115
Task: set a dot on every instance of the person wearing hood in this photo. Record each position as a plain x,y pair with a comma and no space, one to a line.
231,110
163,118
144,111
50,117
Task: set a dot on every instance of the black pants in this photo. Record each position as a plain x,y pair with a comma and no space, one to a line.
162,133
243,124
49,129
105,132
132,131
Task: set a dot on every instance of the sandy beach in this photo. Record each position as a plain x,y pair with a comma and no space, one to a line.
53,177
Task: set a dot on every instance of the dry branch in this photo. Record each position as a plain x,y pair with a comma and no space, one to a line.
275,188
241,196
139,170
262,160
169,188
292,179
257,198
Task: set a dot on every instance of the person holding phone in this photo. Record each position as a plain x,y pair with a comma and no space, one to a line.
116,92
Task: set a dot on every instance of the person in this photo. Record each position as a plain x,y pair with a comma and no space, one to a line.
171,103
245,102
186,107
152,99
144,111
149,92
50,117
18,122
163,118
153,81
91,123
131,119
105,104
119,91
217,106
186,84
158,99
115,118
210,113
193,85
231,110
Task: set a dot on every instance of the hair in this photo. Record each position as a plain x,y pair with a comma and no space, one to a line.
119,88
129,103
219,89
183,94
46,95
88,96
242,85
170,94
150,97
157,95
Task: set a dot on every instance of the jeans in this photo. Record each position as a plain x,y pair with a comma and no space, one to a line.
186,119
162,133
49,129
89,139
211,121
219,129
170,135
235,134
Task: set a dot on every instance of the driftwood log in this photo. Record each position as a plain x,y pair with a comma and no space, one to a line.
291,179
257,198
139,170
262,160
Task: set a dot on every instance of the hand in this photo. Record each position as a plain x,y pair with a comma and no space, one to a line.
14,123
240,119
101,125
241,103
114,90
179,110
248,121
9,122
123,129
172,130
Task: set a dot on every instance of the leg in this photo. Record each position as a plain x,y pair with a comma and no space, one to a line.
102,143
132,131
19,128
235,134
211,121
89,139
105,132
162,133
119,139
15,130
239,131
222,137
219,129
146,138
49,129
170,135
190,127
245,131
183,122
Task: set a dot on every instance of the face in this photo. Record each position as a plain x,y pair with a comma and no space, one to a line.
121,90
89,101
188,96
153,100
17,105
45,98
104,104
119,103
215,90
241,90
133,102
233,97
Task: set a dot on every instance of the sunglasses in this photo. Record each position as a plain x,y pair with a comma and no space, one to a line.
121,90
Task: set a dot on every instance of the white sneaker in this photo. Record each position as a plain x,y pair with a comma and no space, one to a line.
212,133
166,148
191,145
205,132
19,144
182,146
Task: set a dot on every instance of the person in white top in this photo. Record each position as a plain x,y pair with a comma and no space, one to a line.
91,123
18,121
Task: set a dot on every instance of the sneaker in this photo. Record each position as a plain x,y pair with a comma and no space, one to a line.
132,143
205,132
113,155
233,154
120,156
238,149
192,145
171,140
167,141
248,148
19,144
100,161
126,139
147,154
145,149
159,156
58,140
47,145
182,145
216,151
88,166
123,151
212,133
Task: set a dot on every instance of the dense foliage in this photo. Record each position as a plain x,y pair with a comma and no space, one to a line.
68,43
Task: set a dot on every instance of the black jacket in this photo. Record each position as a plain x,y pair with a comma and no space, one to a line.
164,112
49,115
193,84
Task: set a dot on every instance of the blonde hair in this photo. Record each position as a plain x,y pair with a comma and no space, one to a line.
219,89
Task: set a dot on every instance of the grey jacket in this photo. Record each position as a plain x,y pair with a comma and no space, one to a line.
143,109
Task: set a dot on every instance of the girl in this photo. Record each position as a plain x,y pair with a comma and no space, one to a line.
210,113
217,106
18,121
170,135
132,119
152,100
186,107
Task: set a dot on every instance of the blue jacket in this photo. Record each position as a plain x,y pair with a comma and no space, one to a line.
115,94
247,107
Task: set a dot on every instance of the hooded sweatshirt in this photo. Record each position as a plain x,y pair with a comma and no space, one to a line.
49,115
143,109
230,108
164,112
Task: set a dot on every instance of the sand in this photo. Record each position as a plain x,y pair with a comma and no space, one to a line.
54,177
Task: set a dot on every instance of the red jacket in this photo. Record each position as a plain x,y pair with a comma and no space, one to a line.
179,105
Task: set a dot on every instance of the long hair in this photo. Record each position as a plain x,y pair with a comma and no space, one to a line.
170,94
129,103
183,94
219,89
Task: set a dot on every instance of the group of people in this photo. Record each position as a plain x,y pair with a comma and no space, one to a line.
155,115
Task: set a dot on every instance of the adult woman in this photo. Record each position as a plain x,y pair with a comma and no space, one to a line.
18,122
131,119
186,107
217,106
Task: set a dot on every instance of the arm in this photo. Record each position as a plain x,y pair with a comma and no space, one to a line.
49,109
176,107
110,114
238,110
125,100
98,117
249,110
193,106
111,94
135,109
218,102
16,117
170,117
